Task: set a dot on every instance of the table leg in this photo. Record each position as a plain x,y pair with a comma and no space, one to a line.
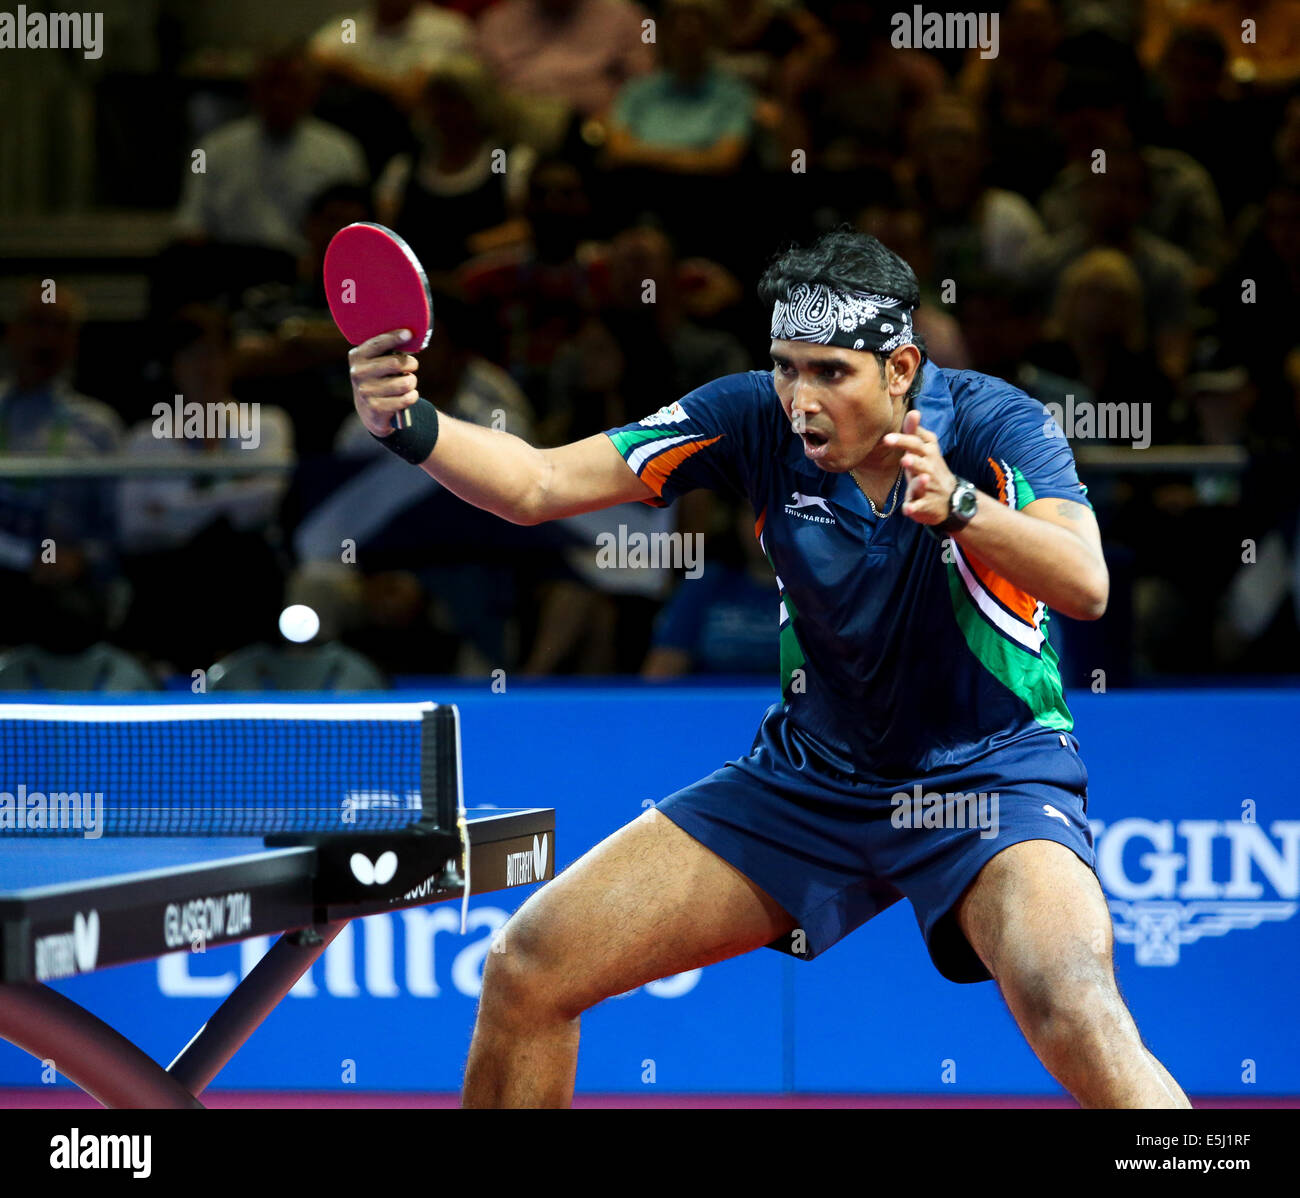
249,1004
86,1050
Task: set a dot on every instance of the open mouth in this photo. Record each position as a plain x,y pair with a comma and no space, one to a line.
815,444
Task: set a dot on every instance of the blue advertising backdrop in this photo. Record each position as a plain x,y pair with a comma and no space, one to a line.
1194,805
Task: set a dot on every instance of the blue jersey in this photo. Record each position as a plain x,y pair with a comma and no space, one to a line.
900,655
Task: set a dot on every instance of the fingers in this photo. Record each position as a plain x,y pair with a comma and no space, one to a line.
377,368
906,441
920,486
378,346
912,436
387,386
388,404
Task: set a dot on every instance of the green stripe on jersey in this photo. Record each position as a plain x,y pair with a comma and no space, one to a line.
1024,492
1034,678
792,657
629,438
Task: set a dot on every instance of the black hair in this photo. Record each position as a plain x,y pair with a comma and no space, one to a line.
193,323
1200,40
847,260
341,193
1089,87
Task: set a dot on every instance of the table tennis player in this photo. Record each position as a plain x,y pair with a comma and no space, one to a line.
921,522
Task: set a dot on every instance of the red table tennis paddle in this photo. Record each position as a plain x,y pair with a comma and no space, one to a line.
374,284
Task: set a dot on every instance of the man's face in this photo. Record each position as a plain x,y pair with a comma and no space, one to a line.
42,342
201,370
636,256
837,402
282,93
322,224
1115,200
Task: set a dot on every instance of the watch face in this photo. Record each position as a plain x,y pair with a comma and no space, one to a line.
964,501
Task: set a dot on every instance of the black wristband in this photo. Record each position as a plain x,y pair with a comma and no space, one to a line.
416,443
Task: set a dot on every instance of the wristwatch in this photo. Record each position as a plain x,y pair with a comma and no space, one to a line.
962,505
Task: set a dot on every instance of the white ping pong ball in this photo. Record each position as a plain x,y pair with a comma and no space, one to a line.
298,623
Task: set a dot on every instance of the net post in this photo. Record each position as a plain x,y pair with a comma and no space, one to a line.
441,792
440,785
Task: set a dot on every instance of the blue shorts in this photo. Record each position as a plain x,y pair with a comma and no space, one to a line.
834,850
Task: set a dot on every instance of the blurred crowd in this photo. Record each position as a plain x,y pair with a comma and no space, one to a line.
1106,211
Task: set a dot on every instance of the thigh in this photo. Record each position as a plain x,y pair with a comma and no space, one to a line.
1037,910
647,902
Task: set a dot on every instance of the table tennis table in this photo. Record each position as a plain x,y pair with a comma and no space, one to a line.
68,907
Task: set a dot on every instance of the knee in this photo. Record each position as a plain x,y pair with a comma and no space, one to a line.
524,976
1067,1003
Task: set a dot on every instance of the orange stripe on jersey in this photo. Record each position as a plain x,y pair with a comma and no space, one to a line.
760,524
1002,480
658,470
1022,603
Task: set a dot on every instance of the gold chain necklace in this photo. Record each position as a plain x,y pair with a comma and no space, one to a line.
893,496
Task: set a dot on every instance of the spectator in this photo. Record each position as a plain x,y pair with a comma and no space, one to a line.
635,351
972,227
758,34
1016,92
286,345
896,222
847,108
724,621
457,381
260,172
1192,116
1112,205
1258,625
1286,144
58,569
475,597
1269,59
678,138
191,527
762,39
534,296
627,358
375,66
689,116
392,47
461,181
1001,323
1181,205
576,51
1097,334
1259,295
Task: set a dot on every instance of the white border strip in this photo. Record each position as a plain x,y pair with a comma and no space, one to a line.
139,713
1030,638
643,453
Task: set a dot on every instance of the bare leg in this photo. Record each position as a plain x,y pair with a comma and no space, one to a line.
647,902
1038,920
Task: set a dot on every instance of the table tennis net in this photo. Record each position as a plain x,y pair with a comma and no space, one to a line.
226,769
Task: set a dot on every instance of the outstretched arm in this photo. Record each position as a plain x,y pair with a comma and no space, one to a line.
490,468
